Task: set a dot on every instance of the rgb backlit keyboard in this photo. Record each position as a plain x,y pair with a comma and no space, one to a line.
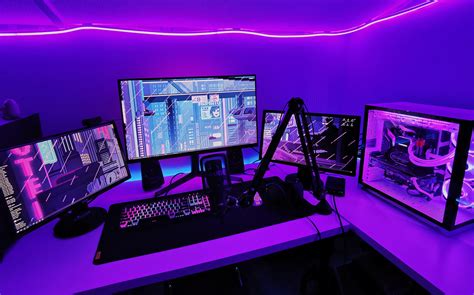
171,207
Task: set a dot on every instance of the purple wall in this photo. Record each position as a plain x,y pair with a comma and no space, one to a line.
424,57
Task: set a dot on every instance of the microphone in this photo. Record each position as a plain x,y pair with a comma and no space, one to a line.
216,179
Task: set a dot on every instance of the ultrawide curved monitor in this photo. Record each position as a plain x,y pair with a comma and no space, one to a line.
40,180
168,117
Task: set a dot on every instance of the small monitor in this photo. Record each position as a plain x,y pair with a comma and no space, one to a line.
38,181
168,117
335,140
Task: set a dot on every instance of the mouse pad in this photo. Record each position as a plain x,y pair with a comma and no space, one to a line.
117,244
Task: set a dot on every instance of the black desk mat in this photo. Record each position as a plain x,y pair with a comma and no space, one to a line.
117,244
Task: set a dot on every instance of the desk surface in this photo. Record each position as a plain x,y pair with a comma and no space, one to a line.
440,262
41,264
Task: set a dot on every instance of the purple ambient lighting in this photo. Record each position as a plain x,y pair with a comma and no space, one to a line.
222,31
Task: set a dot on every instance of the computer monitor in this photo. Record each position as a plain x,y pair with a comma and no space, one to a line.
177,116
169,117
335,139
41,180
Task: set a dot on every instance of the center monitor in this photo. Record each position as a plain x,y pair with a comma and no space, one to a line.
335,140
168,117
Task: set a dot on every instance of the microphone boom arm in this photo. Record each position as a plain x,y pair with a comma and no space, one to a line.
296,107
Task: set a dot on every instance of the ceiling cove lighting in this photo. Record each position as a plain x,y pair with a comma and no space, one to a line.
222,31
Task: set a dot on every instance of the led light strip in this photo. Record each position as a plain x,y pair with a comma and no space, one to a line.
223,31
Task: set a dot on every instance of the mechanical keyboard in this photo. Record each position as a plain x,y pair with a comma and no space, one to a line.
164,208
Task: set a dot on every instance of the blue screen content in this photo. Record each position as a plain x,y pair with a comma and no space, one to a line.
335,140
41,179
175,116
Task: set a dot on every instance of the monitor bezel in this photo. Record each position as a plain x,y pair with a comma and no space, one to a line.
87,199
353,173
196,152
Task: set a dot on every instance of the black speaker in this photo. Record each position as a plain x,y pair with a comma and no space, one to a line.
20,131
235,158
152,175
91,122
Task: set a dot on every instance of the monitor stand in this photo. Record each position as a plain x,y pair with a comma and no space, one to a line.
195,172
80,220
323,206
303,175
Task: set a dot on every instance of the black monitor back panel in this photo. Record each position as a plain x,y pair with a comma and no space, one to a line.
117,244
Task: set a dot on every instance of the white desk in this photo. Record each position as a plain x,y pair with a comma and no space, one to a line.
41,264
439,262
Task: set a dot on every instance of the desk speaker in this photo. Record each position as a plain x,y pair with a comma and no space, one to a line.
235,158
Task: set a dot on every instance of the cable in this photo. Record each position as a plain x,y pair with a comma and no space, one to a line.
174,176
315,227
437,161
337,213
414,181
342,228
284,192
171,181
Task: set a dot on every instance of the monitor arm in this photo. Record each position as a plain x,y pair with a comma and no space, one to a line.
296,107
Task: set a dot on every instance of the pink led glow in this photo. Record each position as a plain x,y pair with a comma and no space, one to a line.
25,165
21,151
32,185
222,31
38,211
104,131
33,188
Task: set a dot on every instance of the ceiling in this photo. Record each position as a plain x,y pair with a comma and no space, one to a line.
198,15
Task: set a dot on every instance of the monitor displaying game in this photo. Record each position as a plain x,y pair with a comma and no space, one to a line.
335,139
176,116
41,179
